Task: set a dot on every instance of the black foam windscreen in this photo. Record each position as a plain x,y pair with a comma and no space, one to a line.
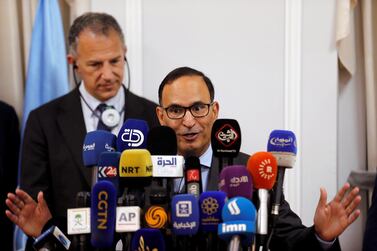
192,162
193,176
226,138
162,141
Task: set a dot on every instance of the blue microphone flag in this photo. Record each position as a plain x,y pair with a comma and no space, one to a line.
148,239
185,214
211,204
95,143
282,141
133,135
239,216
103,213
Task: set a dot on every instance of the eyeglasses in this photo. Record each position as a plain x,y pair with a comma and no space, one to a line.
197,110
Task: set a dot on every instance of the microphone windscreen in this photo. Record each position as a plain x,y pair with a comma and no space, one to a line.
133,135
239,216
239,208
263,169
95,143
236,181
282,144
162,141
52,237
135,167
167,166
185,214
108,168
226,138
211,204
127,219
193,175
103,212
148,239
156,217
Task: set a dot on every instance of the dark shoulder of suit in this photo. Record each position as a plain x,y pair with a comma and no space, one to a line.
141,108
9,149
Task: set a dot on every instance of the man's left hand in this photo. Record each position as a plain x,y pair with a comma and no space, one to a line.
331,219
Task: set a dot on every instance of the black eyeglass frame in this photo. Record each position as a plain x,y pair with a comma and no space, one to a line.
188,108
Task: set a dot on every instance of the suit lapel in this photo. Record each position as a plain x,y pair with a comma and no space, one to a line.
213,175
72,126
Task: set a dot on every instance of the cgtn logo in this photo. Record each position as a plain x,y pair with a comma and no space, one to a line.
282,142
133,137
89,147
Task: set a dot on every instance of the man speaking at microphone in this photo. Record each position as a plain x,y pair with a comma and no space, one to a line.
187,105
51,159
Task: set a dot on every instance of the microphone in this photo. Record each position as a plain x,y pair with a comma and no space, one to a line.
236,181
263,169
162,141
51,239
239,217
162,144
156,217
211,204
148,239
127,219
167,166
103,214
135,165
185,214
78,221
193,176
132,135
282,145
108,164
225,141
95,143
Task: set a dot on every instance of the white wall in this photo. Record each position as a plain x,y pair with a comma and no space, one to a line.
352,136
242,46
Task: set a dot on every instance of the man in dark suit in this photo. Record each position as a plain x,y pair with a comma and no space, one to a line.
187,105
9,148
51,159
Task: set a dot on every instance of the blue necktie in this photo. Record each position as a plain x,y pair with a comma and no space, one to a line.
101,126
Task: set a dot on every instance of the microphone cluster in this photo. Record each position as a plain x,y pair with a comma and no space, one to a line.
133,199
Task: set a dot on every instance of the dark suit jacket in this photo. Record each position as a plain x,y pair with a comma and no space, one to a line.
9,148
370,240
52,148
290,234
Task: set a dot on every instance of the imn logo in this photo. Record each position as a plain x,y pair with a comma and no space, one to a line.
231,228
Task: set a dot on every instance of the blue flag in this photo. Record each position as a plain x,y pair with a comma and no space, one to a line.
47,74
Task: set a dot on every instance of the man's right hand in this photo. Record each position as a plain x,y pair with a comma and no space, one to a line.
26,213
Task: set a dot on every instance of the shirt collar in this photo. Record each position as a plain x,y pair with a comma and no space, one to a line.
206,158
117,101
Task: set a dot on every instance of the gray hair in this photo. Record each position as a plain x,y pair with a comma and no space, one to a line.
98,23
